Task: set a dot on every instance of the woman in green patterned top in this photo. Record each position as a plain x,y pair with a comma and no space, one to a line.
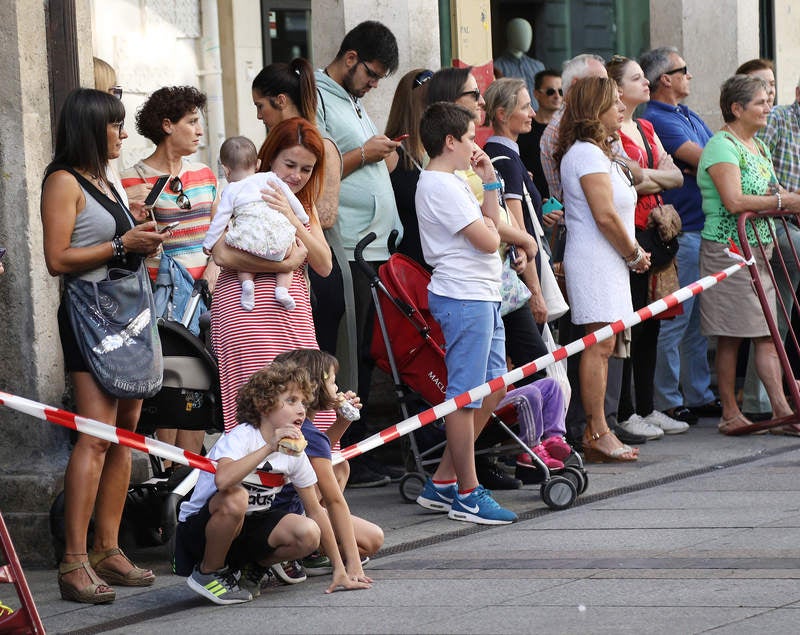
735,175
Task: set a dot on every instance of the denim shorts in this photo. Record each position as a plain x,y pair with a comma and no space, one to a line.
475,342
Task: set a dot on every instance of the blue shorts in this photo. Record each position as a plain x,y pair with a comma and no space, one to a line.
475,342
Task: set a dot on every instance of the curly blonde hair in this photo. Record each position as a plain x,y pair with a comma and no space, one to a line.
587,99
259,396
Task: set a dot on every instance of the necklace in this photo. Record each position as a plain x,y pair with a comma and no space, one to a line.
749,145
98,182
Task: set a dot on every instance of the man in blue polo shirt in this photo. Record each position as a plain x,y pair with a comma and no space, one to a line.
682,359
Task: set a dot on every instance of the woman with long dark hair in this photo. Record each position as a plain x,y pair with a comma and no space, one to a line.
87,230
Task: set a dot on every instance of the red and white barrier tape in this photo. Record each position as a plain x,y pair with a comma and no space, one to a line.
459,401
119,436
184,457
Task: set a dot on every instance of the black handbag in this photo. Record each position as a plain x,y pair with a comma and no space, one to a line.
114,322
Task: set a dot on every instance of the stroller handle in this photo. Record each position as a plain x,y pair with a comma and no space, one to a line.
358,254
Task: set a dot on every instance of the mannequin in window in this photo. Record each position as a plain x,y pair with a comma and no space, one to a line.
515,62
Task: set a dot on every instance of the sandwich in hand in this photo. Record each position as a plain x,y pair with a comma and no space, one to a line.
292,446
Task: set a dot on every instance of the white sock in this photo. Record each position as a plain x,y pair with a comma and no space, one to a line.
282,296
248,300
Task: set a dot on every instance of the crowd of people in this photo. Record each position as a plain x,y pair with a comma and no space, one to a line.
570,179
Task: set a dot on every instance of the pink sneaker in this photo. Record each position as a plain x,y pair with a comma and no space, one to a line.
524,459
557,447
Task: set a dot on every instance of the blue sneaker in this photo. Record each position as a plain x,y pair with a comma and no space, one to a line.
435,498
479,507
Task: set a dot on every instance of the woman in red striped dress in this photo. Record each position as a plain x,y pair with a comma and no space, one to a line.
246,341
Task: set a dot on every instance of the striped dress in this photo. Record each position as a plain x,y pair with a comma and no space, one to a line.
246,341
186,242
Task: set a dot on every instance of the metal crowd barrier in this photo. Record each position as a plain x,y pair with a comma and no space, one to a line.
778,271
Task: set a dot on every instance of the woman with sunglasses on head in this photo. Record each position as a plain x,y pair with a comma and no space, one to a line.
659,173
405,113
170,118
88,230
601,250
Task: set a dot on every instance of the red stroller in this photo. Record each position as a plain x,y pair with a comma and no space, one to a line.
408,344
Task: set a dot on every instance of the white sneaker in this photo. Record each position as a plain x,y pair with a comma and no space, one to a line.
637,425
666,423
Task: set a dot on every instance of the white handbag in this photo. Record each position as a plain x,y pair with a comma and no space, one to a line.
551,292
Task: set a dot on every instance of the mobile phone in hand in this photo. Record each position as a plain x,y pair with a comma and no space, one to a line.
169,227
158,187
512,254
401,137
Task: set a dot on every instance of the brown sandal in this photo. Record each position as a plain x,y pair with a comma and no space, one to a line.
134,577
90,594
736,424
593,454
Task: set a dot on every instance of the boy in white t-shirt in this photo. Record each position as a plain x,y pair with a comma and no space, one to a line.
228,523
460,240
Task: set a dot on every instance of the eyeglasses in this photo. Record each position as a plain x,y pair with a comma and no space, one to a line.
119,125
474,93
375,77
683,70
421,78
177,186
552,91
116,91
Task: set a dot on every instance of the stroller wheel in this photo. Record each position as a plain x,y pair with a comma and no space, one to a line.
578,477
559,493
411,486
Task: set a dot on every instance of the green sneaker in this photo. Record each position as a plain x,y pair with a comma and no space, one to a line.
317,564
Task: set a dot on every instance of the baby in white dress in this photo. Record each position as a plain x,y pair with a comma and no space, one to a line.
253,226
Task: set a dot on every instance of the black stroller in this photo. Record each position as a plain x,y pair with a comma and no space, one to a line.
188,400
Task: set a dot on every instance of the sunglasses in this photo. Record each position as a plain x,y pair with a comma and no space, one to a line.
552,91
421,78
375,77
116,91
177,186
625,170
474,93
683,70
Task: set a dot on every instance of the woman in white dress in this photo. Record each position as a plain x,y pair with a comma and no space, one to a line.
599,202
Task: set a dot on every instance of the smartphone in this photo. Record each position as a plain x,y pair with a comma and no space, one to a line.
158,187
169,227
401,137
552,204
512,254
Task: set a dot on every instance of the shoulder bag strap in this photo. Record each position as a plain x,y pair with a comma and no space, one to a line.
646,145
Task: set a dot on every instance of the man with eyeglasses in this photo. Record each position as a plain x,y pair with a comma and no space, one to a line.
368,53
548,92
682,363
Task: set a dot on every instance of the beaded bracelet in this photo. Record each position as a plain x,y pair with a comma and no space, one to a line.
780,202
363,157
632,264
118,247
491,186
